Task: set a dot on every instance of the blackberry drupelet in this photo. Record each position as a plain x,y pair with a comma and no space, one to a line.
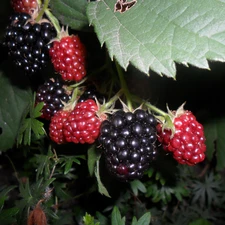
91,93
128,140
28,43
53,94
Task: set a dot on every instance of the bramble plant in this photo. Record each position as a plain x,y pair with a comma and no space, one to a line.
109,112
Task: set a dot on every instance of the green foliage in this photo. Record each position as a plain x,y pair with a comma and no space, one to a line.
14,100
30,124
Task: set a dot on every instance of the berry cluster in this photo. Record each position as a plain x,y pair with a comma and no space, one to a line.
28,42
32,42
79,125
187,144
128,140
54,94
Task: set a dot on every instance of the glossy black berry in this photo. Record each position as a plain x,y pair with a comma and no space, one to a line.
28,43
128,141
54,95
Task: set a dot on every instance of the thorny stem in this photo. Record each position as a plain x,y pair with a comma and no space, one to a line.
124,86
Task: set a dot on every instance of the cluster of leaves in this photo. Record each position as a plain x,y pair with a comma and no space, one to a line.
71,180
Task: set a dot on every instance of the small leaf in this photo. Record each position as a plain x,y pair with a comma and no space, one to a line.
145,219
101,188
89,220
116,218
137,185
93,155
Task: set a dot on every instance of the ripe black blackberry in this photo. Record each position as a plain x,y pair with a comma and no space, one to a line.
53,94
128,140
28,42
91,93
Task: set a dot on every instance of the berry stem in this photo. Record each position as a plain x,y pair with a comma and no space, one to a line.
124,86
42,11
155,109
54,21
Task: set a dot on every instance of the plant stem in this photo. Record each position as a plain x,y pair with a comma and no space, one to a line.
54,20
42,11
155,109
124,86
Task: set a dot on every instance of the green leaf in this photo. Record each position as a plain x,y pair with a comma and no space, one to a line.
71,13
89,220
116,218
14,100
137,185
155,36
145,219
93,155
30,124
215,142
101,188
200,222
7,216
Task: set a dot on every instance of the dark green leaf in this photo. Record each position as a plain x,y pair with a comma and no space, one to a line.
214,133
93,155
200,222
14,100
155,36
7,216
71,13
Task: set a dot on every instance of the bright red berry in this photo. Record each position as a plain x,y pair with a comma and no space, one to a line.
68,56
56,126
188,142
24,6
83,124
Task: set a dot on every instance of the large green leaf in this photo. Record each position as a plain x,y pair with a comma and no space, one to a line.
215,142
156,34
14,100
71,13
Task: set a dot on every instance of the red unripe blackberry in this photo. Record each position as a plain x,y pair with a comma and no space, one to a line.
128,141
83,124
28,43
68,56
24,6
56,126
54,94
187,144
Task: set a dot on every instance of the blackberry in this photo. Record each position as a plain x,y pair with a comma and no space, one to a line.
128,140
91,93
28,43
53,94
